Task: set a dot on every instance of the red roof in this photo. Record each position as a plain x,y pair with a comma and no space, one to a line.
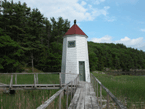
74,30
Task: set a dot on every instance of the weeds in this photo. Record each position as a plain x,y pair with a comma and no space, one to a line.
126,88
28,99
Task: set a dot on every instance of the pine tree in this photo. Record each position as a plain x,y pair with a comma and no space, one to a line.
10,55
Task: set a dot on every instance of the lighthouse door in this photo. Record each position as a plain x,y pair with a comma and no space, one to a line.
82,70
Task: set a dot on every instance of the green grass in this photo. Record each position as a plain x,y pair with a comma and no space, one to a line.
28,99
25,99
29,79
130,87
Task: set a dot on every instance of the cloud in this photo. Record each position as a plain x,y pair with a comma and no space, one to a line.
143,30
125,2
83,3
142,47
130,42
131,1
98,1
135,43
97,12
105,39
68,9
110,19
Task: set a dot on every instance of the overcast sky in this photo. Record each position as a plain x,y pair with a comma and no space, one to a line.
103,21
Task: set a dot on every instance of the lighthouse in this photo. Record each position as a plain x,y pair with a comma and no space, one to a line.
75,58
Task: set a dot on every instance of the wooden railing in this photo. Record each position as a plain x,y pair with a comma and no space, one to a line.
36,79
60,92
95,83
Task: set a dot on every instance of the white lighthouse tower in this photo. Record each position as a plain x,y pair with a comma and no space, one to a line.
75,55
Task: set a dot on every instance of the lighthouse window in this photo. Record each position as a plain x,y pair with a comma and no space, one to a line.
71,43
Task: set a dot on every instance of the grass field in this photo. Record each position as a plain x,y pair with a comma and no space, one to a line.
29,78
125,88
29,99
129,88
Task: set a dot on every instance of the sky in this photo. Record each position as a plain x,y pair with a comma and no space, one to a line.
103,21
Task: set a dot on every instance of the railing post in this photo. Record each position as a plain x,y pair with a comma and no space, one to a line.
101,95
94,82
37,78
15,78
78,78
34,80
67,98
60,80
107,100
95,86
60,100
71,90
77,82
91,78
11,81
97,91
74,85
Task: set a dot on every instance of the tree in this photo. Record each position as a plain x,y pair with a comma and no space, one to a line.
32,41
10,55
93,60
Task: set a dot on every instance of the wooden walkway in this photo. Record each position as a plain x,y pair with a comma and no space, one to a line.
29,86
85,97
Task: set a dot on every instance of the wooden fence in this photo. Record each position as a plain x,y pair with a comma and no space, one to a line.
36,82
33,86
95,83
60,92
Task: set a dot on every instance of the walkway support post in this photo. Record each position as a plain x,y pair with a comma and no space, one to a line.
71,89
101,95
76,84
107,101
60,100
97,91
60,81
34,80
67,97
95,87
15,78
11,82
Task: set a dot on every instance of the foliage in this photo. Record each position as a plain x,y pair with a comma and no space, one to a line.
27,38
28,99
10,53
115,56
125,88
31,99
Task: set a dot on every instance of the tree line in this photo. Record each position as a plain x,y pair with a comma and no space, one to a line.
27,38
115,56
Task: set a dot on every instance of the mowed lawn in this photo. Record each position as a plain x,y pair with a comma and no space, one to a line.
129,88
28,99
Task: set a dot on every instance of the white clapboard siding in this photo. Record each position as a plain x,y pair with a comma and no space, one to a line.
72,56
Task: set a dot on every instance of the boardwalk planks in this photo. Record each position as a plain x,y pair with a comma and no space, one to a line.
84,97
